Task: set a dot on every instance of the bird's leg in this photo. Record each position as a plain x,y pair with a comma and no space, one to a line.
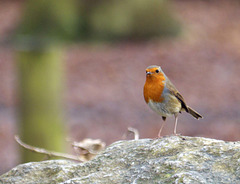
159,133
175,124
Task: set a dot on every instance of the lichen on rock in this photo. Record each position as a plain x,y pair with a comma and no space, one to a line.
173,159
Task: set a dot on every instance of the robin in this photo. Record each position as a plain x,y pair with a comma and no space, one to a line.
163,97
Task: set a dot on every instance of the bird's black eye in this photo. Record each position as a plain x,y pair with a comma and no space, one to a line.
157,71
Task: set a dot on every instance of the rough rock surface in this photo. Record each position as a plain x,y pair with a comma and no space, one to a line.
174,159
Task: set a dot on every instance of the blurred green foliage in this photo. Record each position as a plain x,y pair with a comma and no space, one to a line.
134,19
85,20
49,20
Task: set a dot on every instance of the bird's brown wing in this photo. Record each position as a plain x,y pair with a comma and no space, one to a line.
175,92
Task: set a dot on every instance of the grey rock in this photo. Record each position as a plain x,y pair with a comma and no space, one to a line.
174,159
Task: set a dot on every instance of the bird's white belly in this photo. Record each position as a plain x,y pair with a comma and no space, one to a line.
167,108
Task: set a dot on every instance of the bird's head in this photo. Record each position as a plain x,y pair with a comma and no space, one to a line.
154,71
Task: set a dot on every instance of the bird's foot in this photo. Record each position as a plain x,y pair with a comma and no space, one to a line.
158,137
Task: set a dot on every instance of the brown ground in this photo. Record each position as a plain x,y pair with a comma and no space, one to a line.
104,82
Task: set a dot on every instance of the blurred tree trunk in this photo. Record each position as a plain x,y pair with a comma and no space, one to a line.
45,25
40,87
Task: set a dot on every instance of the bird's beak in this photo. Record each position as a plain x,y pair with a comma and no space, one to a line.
148,73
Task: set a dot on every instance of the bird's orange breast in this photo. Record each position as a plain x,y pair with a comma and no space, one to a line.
154,87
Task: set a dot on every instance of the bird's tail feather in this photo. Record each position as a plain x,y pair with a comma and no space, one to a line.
194,113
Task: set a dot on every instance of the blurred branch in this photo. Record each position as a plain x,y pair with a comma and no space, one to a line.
46,152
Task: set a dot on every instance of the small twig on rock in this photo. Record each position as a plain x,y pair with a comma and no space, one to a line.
88,148
92,146
135,132
46,152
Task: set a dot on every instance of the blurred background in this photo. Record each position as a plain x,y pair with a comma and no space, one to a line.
75,69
